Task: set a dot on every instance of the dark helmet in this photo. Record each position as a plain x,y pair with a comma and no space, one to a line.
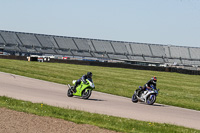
154,79
89,74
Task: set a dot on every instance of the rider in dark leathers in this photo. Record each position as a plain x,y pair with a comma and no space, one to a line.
83,78
148,85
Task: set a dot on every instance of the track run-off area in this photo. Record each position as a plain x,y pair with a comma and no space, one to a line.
39,91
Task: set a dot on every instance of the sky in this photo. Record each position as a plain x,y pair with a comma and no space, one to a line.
166,22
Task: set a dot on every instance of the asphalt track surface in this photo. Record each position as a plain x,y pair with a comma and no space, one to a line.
54,94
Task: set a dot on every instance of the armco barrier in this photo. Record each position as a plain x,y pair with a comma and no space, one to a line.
118,65
13,57
106,64
121,65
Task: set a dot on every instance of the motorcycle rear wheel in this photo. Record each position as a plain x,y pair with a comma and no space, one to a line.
134,98
86,94
151,99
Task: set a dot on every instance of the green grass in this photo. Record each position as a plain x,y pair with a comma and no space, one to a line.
175,89
103,121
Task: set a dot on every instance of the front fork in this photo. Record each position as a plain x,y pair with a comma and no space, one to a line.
69,86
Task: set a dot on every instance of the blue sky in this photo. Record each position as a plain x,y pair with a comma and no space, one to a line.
168,22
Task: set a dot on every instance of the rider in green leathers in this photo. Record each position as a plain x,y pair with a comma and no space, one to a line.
83,78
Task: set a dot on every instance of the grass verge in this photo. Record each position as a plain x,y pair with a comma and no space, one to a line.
81,117
175,89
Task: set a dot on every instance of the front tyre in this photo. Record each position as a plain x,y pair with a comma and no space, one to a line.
69,93
86,94
134,98
151,99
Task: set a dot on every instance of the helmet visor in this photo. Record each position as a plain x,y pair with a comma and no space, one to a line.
90,76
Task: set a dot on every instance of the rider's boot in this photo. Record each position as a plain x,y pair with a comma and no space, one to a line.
140,90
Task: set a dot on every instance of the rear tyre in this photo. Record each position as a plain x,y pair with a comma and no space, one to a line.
134,98
151,99
69,93
86,94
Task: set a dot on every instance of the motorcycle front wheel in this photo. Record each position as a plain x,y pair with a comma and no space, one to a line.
86,94
134,98
151,99
69,93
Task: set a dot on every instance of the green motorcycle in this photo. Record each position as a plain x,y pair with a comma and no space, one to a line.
83,90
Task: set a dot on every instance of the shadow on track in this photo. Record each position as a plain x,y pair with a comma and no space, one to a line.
95,99
159,105
155,104
90,99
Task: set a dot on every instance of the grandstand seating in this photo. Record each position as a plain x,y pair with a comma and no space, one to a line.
167,51
82,44
179,52
29,40
137,58
175,61
195,53
189,62
81,53
114,56
63,52
99,55
1,45
103,46
32,50
12,48
150,59
45,51
65,43
157,50
47,41
140,49
195,62
30,43
10,38
120,47
91,45
23,49
1,41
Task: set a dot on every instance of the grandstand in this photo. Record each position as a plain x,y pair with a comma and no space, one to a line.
25,44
